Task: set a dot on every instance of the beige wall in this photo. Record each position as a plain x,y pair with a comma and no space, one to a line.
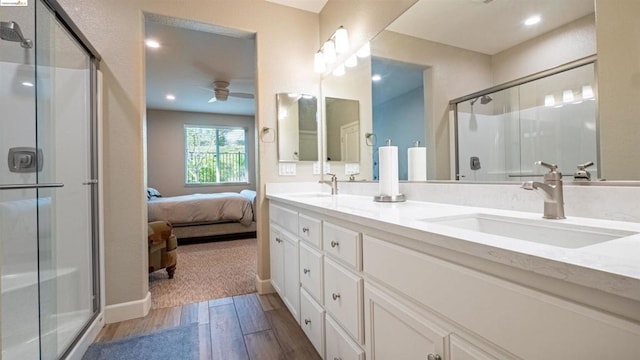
618,35
165,150
115,28
570,42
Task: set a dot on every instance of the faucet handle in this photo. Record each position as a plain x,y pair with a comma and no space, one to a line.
352,177
333,176
585,165
551,167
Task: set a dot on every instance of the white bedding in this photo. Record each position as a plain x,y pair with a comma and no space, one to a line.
202,208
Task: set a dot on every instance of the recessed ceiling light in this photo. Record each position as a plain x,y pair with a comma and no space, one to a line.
152,43
532,20
26,83
170,97
376,77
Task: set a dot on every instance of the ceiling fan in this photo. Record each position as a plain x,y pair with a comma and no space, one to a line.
221,92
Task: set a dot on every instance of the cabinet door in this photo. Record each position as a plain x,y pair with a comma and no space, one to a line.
312,321
463,349
311,271
393,331
291,278
343,297
339,344
276,248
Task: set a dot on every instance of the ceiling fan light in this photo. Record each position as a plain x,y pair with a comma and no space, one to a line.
341,40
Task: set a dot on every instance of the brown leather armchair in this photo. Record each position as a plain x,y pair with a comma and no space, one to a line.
163,247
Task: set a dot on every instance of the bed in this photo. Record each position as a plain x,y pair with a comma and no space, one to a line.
205,215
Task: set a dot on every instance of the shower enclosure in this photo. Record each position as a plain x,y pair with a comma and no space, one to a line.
551,116
48,182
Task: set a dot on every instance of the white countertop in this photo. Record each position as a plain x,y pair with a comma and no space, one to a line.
612,266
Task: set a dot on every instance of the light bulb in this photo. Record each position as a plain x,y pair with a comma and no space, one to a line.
364,51
170,97
329,51
587,92
152,43
341,38
352,61
549,101
319,65
532,20
339,70
376,77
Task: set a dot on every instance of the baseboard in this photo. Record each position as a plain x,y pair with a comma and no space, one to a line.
264,286
87,339
128,310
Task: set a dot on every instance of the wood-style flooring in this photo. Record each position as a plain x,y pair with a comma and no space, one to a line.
244,327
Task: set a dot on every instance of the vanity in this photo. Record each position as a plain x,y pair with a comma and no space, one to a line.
424,280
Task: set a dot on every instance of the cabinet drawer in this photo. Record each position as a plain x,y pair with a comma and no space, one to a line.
311,271
343,297
310,229
312,321
339,344
463,349
286,218
343,244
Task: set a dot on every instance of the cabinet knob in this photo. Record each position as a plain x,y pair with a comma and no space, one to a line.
307,321
306,271
434,357
305,229
278,240
335,296
334,244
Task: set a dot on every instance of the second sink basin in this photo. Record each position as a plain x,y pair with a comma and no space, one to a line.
538,231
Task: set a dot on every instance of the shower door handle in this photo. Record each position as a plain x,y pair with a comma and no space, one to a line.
30,186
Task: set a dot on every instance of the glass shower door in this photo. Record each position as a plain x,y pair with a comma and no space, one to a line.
65,215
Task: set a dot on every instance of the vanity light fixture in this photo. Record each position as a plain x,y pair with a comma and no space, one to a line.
338,43
549,100
532,20
152,43
170,97
567,96
339,70
352,61
587,93
376,77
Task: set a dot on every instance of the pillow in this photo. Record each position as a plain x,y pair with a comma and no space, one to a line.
153,193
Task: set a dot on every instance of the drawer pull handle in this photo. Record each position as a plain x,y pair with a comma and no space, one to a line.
334,244
278,240
306,271
434,357
335,296
305,229
307,321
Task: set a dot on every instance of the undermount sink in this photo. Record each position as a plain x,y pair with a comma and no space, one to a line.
547,232
310,195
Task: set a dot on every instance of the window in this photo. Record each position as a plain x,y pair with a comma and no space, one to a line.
215,155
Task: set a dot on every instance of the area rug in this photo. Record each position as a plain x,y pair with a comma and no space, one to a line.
206,271
169,344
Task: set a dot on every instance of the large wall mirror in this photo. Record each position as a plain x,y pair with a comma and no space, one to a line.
297,127
490,45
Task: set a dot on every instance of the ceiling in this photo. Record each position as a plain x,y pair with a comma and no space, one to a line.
487,27
307,5
193,55
397,79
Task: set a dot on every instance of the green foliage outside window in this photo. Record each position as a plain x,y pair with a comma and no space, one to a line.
215,155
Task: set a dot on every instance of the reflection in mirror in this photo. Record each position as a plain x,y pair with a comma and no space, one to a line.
343,129
492,46
297,127
398,109
500,134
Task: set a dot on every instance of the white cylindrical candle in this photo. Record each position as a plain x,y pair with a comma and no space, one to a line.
388,174
417,163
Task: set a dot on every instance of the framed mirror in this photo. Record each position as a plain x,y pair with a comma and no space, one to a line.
343,129
297,127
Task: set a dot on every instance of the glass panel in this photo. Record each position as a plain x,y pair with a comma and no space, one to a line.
18,208
64,214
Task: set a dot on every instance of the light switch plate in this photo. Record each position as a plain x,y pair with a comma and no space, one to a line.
326,168
316,168
351,168
287,169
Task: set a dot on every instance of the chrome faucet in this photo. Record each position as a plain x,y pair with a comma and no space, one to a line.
553,200
583,174
333,183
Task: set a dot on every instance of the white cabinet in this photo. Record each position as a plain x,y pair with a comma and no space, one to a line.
284,268
339,343
343,244
312,321
311,274
461,349
310,229
394,332
343,297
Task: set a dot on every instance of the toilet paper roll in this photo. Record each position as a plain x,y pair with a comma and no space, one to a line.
388,159
417,163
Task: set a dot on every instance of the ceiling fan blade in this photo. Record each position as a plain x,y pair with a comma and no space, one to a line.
241,95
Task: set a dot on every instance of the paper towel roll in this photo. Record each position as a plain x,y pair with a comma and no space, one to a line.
417,163
388,159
